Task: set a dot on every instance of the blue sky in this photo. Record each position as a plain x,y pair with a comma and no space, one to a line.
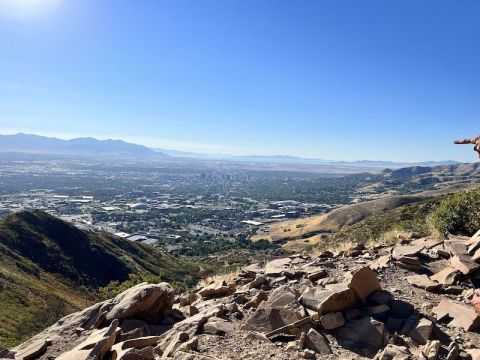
332,79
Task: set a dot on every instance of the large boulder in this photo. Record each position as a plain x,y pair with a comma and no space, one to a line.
282,308
282,297
336,297
364,282
339,297
269,319
144,301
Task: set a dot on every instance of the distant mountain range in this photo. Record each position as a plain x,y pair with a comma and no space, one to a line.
88,147
35,144
286,159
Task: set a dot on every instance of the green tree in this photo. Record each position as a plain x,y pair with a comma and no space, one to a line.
458,214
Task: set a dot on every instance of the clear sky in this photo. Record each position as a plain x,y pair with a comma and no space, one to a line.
332,79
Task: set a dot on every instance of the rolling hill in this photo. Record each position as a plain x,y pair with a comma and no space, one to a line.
48,264
412,184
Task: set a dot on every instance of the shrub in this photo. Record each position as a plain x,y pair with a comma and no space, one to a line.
458,214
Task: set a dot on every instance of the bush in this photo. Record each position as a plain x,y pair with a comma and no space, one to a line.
458,214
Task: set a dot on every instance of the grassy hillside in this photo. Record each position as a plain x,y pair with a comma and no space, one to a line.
457,214
333,221
49,268
386,227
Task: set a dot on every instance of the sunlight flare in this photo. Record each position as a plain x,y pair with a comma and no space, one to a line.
26,8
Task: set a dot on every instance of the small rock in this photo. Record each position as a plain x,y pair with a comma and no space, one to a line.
332,321
308,354
394,352
453,352
317,275
431,350
317,342
257,300
258,282
422,332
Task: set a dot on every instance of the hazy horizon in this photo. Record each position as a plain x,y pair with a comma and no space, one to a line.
173,152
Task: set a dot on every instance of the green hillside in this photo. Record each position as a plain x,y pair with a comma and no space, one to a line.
49,268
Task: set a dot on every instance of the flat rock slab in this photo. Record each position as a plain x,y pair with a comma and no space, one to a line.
464,264
32,350
476,256
140,342
411,263
217,290
462,316
447,276
408,250
474,246
381,263
97,345
276,267
423,282
427,242
456,247
253,269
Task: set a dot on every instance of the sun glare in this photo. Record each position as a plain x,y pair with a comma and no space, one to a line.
26,8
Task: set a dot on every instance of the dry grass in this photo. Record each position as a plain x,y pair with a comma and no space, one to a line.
333,221
301,245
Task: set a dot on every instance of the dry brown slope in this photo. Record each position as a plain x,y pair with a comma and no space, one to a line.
339,218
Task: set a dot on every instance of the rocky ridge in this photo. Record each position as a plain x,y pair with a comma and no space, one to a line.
409,301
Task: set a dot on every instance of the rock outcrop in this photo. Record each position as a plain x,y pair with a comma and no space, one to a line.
410,301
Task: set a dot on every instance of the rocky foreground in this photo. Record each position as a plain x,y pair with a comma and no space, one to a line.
410,301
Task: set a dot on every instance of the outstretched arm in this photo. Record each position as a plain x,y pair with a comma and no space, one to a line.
464,141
